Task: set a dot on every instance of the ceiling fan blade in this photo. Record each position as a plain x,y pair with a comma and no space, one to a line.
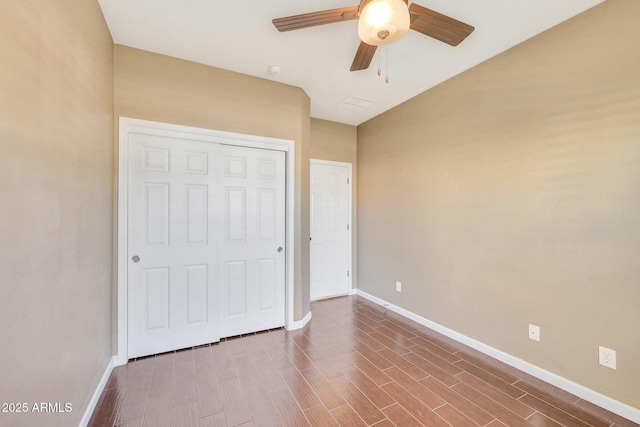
363,58
438,26
305,20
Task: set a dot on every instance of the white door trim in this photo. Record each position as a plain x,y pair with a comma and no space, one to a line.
136,126
349,167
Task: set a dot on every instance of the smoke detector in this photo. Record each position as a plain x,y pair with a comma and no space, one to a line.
275,69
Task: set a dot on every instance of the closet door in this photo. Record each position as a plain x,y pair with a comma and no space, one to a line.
252,251
206,242
174,198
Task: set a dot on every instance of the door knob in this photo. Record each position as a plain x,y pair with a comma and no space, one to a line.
135,258
280,249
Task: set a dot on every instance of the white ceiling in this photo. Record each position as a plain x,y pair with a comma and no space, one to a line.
238,35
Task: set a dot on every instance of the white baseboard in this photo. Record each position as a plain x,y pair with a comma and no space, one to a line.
353,291
583,392
97,392
299,324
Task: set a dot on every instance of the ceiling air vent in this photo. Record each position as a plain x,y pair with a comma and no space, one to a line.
353,103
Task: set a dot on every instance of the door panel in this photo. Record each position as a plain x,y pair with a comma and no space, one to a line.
197,291
157,298
173,226
330,230
197,213
236,214
235,296
254,209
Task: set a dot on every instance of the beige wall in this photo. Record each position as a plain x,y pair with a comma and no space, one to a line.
339,143
155,87
56,168
511,195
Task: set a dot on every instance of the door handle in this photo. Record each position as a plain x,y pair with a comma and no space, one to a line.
280,249
135,258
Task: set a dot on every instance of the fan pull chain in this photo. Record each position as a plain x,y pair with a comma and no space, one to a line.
386,66
386,77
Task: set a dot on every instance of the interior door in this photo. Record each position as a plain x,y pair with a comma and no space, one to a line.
174,218
330,246
252,251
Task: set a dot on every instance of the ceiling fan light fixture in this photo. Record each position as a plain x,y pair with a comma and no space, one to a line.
383,22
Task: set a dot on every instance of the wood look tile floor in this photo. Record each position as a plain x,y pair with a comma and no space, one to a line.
354,364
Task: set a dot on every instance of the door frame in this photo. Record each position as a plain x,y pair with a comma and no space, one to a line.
349,167
128,126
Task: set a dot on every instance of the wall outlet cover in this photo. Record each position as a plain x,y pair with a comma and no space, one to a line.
607,357
534,332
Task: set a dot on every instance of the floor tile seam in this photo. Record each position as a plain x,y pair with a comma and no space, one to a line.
544,392
613,415
417,367
573,406
406,331
441,405
274,361
408,412
354,411
315,406
383,328
436,366
375,339
386,418
388,382
115,412
367,397
416,380
398,340
463,400
427,375
306,417
119,411
554,407
399,333
378,387
488,372
362,311
208,415
497,403
491,385
430,351
483,407
369,318
326,380
605,420
374,351
293,394
439,343
371,379
413,330
421,402
536,412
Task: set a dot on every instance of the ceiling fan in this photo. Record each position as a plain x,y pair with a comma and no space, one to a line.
382,22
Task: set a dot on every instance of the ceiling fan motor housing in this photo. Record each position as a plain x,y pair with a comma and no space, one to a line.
383,22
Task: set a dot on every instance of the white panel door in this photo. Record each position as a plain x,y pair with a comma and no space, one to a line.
330,246
252,292
173,226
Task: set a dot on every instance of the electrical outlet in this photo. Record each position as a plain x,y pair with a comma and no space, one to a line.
607,357
534,332
398,287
